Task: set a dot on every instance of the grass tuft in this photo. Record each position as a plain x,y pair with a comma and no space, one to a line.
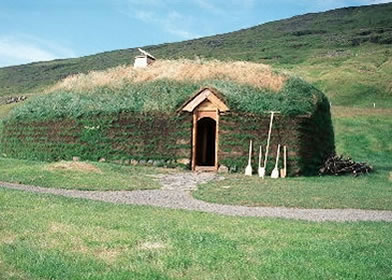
73,166
183,70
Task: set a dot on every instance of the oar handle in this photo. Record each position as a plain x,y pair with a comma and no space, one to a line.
260,157
250,152
268,139
277,156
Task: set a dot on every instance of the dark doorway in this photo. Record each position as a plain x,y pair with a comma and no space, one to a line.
205,142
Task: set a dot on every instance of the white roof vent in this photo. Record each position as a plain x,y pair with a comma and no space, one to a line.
143,60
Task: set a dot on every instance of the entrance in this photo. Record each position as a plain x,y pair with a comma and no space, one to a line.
205,142
206,106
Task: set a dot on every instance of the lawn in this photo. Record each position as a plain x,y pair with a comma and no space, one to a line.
362,134
5,109
48,237
80,175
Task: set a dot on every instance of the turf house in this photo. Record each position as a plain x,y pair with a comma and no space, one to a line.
198,114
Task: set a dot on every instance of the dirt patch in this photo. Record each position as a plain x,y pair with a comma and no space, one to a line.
59,227
73,166
152,246
74,239
7,238
108,255
186,181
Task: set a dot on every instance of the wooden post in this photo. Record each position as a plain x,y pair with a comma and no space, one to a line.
194,129
216,139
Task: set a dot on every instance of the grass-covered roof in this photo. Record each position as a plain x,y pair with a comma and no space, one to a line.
164,86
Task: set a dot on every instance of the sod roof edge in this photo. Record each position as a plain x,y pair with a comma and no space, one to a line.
296,98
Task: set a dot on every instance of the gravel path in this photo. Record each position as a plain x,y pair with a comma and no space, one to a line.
176,194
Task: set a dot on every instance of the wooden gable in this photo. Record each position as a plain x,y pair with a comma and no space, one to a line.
205,98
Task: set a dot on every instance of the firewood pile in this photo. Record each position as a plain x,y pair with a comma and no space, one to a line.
338,165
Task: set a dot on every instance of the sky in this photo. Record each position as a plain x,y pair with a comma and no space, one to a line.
40,30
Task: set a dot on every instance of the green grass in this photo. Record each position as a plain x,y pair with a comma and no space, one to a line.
364,137
295,98
359,79
5,109
372,192
97,176
47,237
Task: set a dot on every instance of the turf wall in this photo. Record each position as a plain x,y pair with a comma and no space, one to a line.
137,136
113,137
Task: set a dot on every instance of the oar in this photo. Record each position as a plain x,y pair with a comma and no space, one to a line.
283,171
275,172
248,169
262,171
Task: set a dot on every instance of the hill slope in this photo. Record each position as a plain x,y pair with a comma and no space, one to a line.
346,52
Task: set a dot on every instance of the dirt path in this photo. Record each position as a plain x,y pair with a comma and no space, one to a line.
176,194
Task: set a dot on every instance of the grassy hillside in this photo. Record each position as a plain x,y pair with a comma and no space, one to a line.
345,52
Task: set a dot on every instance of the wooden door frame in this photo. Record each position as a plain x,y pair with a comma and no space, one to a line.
197,116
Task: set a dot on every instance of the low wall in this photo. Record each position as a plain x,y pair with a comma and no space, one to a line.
128,136
123,136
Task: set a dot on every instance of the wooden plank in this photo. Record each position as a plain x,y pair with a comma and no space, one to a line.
205,114
202,97
216,139
194,142
206,106
191,106
218,103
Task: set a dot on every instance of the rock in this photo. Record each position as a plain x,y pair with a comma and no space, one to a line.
117,161
75,158
158,163
184,161
134,162
126,162
15,99
182,141
150,162
102,160
142,162
171,162
223,169
233,169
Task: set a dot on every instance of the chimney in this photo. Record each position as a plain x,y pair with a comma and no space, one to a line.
143,60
